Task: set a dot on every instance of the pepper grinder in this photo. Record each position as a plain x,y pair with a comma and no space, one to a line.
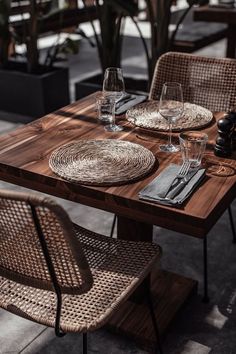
226,127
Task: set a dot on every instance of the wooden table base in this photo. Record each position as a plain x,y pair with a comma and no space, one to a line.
170,291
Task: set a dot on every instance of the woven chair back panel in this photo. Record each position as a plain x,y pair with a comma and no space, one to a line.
19,243
21,256
208,82
67,268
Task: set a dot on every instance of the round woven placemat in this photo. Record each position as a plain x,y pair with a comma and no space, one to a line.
145,115
101,162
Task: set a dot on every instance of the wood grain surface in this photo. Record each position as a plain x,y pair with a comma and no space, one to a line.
215,14
24,155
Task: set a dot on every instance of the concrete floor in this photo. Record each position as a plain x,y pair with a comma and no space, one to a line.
198,328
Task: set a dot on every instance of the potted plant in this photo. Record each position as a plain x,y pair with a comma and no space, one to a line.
111,15
29,87
159,18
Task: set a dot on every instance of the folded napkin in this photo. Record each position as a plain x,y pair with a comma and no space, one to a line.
156,189
123,106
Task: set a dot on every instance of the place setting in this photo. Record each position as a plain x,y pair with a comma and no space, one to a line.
114,100
105,162
176,183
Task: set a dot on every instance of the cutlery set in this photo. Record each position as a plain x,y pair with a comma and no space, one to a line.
182,183
183,176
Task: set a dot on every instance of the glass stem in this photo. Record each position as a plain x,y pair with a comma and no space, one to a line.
113,122
170,133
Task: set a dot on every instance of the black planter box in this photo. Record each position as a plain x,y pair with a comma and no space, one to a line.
33,94
94,83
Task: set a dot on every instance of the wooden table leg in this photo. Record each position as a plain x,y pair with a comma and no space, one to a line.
169,292
132,230
128,229
231,41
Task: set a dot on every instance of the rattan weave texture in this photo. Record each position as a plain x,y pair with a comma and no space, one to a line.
117,267
102,162
21,256
208,82
146,115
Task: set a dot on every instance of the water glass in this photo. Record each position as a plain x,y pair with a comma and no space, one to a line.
105,108
192,145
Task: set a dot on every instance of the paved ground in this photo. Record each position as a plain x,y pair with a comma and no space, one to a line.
198,328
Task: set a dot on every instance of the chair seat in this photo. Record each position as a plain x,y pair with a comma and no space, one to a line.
117,266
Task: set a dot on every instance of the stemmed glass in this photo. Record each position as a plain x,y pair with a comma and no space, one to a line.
171,107
114,86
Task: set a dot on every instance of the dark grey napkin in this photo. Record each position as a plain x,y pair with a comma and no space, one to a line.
132,101
153,191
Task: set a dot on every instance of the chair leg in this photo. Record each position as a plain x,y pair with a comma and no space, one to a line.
153,317
205,271
85,344
232,224
113,226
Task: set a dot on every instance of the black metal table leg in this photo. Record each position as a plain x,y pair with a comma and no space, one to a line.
205,271
153,316
84,343
113,226
232,224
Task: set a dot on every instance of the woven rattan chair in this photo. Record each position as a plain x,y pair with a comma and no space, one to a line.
209,82
61,275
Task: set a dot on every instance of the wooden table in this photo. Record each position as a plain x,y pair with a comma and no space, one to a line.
24,155
222,15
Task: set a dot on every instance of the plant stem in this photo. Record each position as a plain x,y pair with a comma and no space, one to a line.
32,47
144,46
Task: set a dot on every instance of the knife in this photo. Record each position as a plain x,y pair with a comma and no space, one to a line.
180,186
124,97
125,100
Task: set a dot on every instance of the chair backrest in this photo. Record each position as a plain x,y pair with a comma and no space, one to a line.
22,258
209,82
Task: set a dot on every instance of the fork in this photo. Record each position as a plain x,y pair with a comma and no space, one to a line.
183,171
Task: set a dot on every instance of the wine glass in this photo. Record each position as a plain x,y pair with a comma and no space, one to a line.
114,86
171,107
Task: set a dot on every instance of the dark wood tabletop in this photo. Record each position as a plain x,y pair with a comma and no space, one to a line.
215,14
222,15
25,152
24,156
